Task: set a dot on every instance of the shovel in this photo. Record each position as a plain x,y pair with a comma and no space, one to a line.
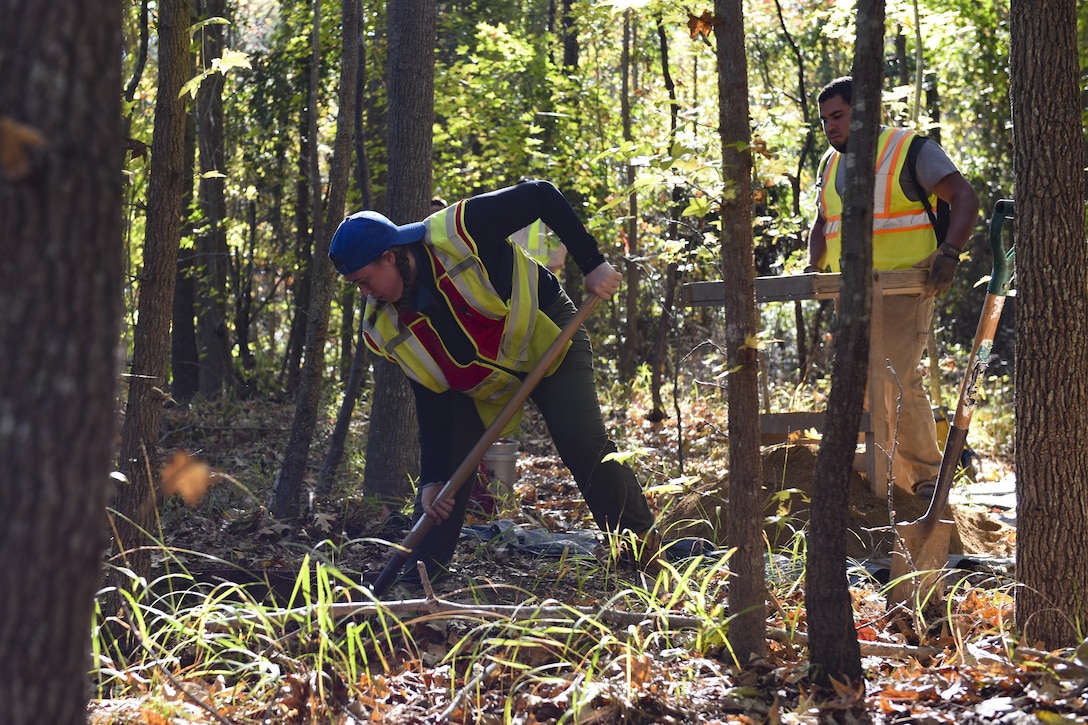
922,545
472,460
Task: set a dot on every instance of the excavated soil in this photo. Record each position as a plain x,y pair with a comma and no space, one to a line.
787,479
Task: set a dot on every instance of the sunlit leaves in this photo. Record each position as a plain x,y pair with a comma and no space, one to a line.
228,61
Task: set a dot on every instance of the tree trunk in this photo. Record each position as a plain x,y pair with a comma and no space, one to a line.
184,351
629,357
353,384
60,296
243,297
354,357
660,357
138,67
285,497
747,588
569,35
213,333
392,451
139,462
1051,325
833,642
300,280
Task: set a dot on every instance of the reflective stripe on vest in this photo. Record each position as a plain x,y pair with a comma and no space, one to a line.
902,232
506,336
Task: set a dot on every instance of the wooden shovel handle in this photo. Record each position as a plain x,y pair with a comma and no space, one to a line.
472,460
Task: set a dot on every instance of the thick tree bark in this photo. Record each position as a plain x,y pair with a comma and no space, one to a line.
392,451
832,639
285,497
1051,325
747,588
60,308
135,502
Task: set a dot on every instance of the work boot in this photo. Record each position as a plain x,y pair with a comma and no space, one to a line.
925,490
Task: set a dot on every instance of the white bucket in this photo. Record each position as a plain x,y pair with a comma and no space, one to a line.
502,459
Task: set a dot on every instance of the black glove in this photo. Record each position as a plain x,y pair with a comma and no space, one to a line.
942,270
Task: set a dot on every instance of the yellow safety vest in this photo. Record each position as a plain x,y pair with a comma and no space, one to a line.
508,336
902,232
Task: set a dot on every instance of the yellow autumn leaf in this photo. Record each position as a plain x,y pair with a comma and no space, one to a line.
187,477
753,342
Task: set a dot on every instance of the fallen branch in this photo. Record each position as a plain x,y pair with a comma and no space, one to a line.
1066,669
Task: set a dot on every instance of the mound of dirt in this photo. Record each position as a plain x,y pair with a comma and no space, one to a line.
787,479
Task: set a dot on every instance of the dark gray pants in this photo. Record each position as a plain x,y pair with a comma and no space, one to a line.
567,399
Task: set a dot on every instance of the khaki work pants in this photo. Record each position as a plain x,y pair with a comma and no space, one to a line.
907,321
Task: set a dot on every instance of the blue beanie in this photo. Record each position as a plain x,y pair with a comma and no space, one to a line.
363,236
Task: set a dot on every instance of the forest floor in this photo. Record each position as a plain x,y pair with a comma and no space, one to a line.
954,663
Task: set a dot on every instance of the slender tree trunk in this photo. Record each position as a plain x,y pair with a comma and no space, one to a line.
569,35
184,351
660,357
243,298
392,452
285,497
803,355
629,357
747,588
832,639
139,460
213,332
354,359
59,325
353,384
300,280
138,67
1051,325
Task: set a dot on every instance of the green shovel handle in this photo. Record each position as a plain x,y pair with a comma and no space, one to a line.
1002,271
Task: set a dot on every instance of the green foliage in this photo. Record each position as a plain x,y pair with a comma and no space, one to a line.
507,106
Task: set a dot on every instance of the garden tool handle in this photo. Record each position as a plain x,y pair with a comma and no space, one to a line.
977,362
1001,274
472,460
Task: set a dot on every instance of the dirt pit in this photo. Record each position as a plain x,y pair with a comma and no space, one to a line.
787,479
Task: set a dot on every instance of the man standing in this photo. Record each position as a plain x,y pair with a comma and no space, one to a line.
903,237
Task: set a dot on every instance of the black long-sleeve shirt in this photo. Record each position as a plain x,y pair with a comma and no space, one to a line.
490,219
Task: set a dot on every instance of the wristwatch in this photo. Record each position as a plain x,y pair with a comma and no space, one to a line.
949,250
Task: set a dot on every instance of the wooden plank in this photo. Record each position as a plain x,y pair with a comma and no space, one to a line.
813,286
792,422
777,427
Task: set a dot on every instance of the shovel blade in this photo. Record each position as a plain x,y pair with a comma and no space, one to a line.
921,552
